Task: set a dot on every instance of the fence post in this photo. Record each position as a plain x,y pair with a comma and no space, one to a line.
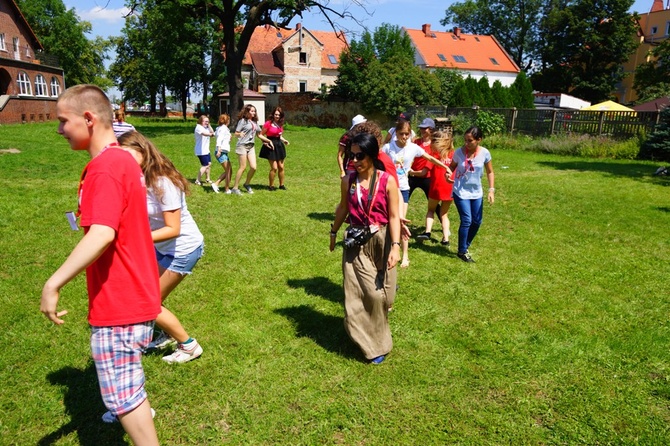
553,122
513,124
600,123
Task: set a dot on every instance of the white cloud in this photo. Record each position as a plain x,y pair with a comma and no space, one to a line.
108,15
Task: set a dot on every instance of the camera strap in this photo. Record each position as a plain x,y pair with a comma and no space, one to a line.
372,193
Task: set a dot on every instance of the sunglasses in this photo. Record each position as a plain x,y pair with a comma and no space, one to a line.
358,156
470,166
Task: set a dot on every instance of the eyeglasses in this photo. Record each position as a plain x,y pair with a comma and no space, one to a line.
358,156
470,166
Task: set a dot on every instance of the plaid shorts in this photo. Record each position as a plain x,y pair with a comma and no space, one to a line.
117,353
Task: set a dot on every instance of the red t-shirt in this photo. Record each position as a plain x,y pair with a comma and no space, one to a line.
389,165
122,283
421,162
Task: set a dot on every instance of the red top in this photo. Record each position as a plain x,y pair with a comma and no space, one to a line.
123,282
358,201
420,162
272,130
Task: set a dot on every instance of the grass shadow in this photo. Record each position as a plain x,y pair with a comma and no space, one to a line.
321,216
84,406
663,209
154,131
319,286
326,331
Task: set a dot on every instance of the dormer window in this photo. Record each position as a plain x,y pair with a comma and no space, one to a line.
654,29
303,58
459,58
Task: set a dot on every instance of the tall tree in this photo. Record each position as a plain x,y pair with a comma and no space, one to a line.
63,34
521,91
652,79
235,40
585,43
513,22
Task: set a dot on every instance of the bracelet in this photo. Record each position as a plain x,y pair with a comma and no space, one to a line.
492,189
395,243
333,234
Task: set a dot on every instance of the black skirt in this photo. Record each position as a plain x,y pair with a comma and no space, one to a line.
278,154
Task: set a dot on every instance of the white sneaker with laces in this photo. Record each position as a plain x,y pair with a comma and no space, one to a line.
163,340
184,353
215,188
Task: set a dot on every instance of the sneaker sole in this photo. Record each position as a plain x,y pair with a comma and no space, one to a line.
195,355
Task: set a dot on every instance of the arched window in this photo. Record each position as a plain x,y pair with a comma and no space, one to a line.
40,86
55,87
24,84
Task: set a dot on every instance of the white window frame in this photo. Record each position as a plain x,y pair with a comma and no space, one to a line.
28,52
3,45
55,87
273,86
40,86
25,87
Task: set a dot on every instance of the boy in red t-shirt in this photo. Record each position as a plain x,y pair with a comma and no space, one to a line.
118,255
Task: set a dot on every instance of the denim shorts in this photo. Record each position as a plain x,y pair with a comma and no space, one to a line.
205,160
117,354
223,158
405,195
182,264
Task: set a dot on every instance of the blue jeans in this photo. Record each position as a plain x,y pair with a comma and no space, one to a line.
471,213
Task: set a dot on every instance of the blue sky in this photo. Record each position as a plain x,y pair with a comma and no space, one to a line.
106,16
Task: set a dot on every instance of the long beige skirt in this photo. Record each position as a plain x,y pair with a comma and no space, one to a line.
369,291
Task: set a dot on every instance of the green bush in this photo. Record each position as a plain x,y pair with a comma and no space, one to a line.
574,145
657,146
490,123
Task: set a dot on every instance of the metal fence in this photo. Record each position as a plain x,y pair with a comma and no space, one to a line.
618,124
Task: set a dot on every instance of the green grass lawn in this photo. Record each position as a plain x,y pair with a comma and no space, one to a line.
559,334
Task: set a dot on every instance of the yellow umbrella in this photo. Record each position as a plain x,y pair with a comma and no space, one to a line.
608,106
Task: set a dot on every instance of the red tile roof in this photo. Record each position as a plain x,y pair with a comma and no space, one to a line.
266,38
466,52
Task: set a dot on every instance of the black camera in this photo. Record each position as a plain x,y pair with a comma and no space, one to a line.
357,236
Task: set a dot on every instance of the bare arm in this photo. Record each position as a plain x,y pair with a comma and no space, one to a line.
89,248
491,179
172,226
394,223
340,213
340,159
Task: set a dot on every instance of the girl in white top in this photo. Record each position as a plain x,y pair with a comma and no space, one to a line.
178,241
221,152
202,133
402,152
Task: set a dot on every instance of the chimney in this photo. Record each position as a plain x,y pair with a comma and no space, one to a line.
657,6
298,26
426,29
457,31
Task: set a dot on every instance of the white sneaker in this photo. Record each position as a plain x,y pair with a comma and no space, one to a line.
236,192
229,192
215,188
163,340
184,353
249,189
109,417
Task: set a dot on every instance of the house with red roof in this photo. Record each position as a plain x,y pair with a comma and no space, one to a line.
30,80
475,55
292,60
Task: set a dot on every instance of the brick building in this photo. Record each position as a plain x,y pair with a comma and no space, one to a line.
30,82
292,61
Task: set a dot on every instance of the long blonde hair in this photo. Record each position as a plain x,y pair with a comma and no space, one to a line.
154,163
442,144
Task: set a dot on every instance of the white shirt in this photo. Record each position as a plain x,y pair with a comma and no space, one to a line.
189,237
403,157
223,138
201,141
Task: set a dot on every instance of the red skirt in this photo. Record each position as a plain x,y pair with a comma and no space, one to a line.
440,188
